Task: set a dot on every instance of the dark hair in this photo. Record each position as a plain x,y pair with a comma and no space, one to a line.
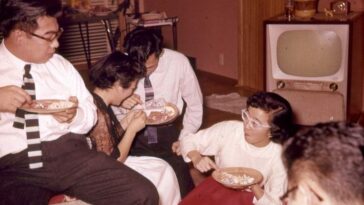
281,124
332,154
115,67
23,14
142,42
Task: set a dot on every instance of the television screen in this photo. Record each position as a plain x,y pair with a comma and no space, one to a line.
309,53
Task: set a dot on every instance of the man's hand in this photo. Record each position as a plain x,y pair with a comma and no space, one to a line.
13,97
176,148
131,101
67,115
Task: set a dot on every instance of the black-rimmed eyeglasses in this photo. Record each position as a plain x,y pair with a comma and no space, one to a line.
55,35
286,196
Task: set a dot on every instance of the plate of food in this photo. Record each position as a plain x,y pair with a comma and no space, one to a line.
237,177
48,106
160,112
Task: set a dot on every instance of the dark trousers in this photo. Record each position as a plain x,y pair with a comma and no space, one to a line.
167,134
70,167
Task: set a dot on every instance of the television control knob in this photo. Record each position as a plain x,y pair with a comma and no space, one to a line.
333,87
280,84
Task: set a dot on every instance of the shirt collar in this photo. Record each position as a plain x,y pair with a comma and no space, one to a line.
12,58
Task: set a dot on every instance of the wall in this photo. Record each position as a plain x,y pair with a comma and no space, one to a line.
207,30
251,40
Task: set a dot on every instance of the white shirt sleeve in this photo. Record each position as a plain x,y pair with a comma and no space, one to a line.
86,111
191,94
206,142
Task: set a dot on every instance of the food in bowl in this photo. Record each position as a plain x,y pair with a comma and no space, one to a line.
236,180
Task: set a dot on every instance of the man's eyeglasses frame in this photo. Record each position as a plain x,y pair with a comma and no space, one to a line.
56,35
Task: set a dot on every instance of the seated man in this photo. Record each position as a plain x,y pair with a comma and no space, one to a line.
326,165
45,154
169,76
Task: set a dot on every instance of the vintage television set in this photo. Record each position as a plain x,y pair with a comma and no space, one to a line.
317,65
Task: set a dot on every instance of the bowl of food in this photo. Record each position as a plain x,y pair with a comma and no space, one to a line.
160,112
48,106
237,177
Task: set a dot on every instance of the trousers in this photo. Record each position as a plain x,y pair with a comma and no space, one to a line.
167,134
70,167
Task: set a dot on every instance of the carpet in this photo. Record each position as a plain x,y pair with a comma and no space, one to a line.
231,102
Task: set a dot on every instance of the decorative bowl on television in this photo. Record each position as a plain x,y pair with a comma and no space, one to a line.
305,8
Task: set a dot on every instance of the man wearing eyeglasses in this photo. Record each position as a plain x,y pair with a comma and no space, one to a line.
325,165
45,154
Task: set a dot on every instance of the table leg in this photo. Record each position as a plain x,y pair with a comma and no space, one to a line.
174,30
109,34
86,43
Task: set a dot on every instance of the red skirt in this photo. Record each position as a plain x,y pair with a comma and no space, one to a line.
210,192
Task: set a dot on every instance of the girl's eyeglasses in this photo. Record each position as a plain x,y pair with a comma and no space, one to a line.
249,121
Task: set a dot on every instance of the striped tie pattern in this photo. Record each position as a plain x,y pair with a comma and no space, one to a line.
150,132
31,122
149,94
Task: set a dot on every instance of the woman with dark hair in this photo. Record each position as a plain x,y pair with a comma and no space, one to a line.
169,76
252,143
115,78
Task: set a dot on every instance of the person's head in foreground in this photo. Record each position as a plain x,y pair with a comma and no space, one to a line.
115,77
145,46
30,28
268,117
325,165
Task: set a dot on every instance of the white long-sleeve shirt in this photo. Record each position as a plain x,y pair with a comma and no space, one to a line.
55,79
175,81
226,141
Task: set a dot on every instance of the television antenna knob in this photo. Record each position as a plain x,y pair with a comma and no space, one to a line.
333,87
280,84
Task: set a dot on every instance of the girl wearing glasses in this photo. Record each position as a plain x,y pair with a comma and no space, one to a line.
253,142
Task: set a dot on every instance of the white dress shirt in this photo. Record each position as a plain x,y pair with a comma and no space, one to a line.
226,141
175,81
55,79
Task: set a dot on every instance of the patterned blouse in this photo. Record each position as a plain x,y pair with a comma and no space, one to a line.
107,132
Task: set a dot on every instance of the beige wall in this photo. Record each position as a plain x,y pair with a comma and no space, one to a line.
207,29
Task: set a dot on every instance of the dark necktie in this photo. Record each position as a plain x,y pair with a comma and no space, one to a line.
150,132
149,94
30,120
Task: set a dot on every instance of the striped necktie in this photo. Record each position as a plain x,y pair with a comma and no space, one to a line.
150,132
149,94
30,120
